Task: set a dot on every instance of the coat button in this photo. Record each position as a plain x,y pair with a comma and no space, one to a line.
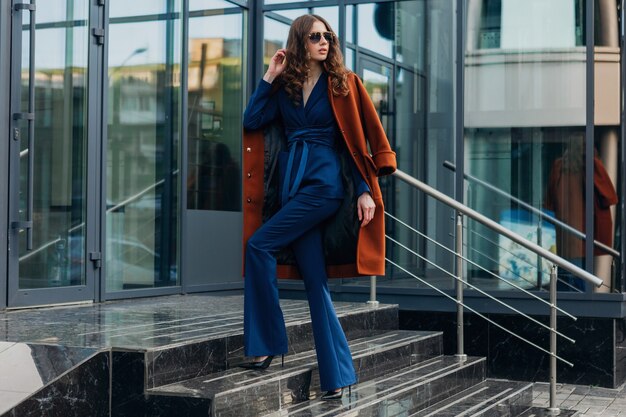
354,153
249,174
248,149
249,200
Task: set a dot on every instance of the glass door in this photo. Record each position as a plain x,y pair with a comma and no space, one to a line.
48,162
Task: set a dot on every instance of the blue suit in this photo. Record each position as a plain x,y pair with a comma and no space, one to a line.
311,191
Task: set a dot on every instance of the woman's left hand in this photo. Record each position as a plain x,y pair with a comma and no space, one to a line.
365,208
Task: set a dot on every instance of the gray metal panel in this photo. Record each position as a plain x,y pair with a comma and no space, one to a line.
184,156
94,109
459,87
14,171
213,247
5,82
589,135
103,72
621,272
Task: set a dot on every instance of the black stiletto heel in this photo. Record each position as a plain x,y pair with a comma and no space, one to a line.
264,364
336,395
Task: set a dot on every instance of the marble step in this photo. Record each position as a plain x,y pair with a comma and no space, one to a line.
491,398
194,356
196,345
399,393
35,379
238,392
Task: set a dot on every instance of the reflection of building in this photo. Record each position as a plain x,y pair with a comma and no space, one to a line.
525,97
214,111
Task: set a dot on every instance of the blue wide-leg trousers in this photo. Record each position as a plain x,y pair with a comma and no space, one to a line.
296,224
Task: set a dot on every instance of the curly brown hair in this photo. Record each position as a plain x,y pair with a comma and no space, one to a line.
296,72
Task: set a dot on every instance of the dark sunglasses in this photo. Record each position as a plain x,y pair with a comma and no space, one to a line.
315,37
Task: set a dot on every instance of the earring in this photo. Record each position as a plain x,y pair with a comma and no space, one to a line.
308,55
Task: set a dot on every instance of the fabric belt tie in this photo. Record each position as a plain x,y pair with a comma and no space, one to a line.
287,193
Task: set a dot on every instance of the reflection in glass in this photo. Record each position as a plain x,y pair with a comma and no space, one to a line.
376,27
275,37
142,151
118,8
349,59
59,154
215,111
377,85
209,4
292,13
331,15
525,103
510,24
350,24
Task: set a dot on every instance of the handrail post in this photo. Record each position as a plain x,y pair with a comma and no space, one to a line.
372,299
539,259
459,288
553,281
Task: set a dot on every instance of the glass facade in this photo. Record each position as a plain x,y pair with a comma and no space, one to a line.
151,114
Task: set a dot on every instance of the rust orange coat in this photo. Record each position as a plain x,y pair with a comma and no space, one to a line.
349,249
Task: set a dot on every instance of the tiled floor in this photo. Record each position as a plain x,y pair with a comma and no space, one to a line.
588,401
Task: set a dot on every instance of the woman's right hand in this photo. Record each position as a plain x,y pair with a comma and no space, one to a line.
277,65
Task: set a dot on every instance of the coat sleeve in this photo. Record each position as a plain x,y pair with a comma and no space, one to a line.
262,108
603,185
384,158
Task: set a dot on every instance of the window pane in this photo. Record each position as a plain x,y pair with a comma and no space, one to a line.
331,14
209,4
143,151
118,8
275,37
214,113
525,117
291,13
376,27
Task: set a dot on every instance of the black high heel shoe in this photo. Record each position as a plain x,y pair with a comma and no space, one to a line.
264,364
336,395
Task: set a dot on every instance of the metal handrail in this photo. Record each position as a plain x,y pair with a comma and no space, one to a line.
539,271
557,261
466,259
462,208
491,297
534,210
479,314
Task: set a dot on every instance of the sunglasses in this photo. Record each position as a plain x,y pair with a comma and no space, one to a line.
315,37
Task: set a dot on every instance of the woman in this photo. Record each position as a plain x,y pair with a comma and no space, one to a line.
308,177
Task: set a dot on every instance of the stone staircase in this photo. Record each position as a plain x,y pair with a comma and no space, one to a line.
178,356
401,373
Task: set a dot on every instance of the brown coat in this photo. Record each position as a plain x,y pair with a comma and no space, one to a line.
566,197
349,249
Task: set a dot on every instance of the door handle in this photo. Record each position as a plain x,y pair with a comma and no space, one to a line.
29,116
22,225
